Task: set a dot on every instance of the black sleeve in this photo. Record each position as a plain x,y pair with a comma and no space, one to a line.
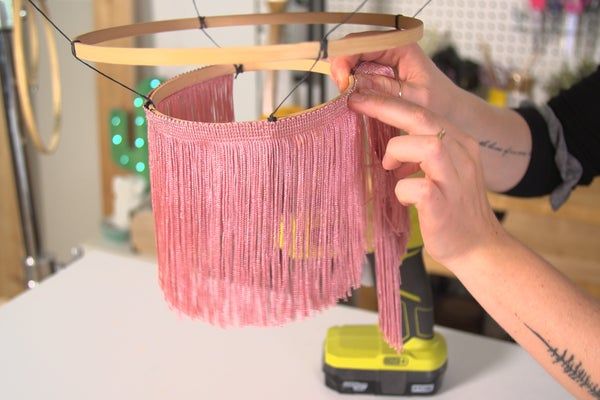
542,174
578,110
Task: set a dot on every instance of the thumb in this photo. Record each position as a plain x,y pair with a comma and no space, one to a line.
340,72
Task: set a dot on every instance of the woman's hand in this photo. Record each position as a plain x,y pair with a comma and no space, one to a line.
540,308
420,82
417,77
455,216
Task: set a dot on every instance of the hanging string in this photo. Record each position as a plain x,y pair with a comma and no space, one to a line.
72,44
239,68
321,55
422,7
202,23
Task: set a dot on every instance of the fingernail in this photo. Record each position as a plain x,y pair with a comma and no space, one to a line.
386,162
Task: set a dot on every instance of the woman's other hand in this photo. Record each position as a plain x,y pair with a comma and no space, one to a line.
455,217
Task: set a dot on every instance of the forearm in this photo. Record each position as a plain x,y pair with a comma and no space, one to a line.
538,306
503,135
555,322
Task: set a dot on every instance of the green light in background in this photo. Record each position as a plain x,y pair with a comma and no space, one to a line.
115,121
124,159
139,143
117,139
139,121
154,83
138,102
140,166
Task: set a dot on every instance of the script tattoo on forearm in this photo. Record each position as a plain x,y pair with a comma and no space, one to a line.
570,366
504,151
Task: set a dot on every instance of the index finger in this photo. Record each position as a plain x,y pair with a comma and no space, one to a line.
402,114
396,112
426,150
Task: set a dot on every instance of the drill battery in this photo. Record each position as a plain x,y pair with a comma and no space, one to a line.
358,360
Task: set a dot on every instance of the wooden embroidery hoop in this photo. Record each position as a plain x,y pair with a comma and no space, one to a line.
90,46
25,74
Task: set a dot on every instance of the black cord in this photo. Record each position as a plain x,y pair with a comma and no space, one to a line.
202,23
422,7
74,53
323,53
49,20
239,68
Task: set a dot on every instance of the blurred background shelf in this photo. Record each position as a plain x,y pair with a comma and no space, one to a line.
568,238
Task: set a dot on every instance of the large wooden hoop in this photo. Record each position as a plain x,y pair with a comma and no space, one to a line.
89,46
24,79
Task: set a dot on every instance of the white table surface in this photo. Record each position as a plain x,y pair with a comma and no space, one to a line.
101,330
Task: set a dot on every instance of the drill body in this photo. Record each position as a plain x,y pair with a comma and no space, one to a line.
358,360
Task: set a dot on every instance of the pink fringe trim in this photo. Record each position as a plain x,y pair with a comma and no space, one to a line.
261,223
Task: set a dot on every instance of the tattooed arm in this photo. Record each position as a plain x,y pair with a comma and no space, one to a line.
573,368
553,320
503,135
558,324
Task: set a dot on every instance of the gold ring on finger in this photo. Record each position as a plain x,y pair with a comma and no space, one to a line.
441,133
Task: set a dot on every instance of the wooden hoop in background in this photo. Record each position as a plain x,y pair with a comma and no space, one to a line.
89,45
34,47
23,80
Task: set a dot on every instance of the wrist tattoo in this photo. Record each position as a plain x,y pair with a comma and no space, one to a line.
570,366
493,145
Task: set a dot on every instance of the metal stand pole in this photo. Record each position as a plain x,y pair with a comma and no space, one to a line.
316,32
36,265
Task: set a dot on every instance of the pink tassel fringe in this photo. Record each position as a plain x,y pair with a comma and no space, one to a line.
261,223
